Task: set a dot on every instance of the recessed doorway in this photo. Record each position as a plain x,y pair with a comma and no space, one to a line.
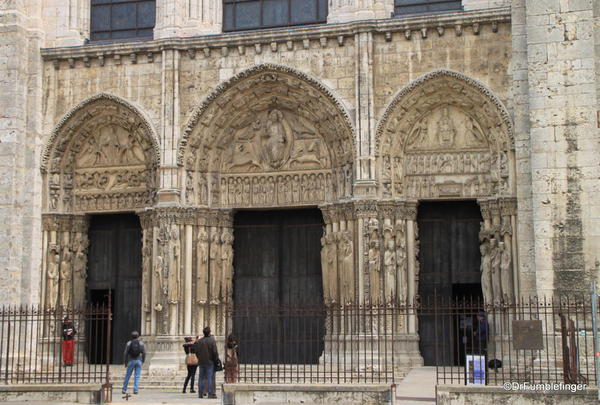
277,266
115,265
450,260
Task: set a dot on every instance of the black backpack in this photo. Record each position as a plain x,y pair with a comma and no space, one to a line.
135,348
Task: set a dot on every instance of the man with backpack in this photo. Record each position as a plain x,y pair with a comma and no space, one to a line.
134,356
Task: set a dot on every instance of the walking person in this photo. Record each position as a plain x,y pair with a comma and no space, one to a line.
68,341
206,351
191,361
134,356
232,365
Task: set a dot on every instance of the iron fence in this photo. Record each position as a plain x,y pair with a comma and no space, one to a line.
322,344
533,341
32,350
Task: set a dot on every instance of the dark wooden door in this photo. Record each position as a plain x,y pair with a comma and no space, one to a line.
449,257
115,264
278,285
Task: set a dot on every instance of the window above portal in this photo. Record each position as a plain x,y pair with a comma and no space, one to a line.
114,20
402,7
254,14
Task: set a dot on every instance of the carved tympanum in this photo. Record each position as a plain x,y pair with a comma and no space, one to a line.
101,157
445,136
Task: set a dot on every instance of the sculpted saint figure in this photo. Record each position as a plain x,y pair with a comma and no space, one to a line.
80,246
332,266
325,268
401,273
486,272
445,127
495,259
389,265
159,289
506,272
65,277
146,273
52,277
215,266
347,271
174,261
202,269
227,263
374,269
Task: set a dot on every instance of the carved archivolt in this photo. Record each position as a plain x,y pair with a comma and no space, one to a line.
102,156
445,135
269,136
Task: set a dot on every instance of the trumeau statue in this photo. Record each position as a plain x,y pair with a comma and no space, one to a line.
65,277
202,269
52,276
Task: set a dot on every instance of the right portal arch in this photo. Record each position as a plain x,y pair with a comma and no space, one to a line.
445,135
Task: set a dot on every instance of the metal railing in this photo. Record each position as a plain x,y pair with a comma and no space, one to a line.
323,344
533,341
32,349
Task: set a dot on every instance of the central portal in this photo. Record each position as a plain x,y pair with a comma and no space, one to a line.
277,269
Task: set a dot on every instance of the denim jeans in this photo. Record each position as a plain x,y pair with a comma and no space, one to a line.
133,365
208,371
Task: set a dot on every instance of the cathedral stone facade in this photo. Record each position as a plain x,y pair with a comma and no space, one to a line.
365,117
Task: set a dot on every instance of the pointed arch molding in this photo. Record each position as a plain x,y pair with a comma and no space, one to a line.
66,127
445,135
202,114
103,155
441,74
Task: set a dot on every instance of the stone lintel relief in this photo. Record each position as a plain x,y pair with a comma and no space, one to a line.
180,244
268,137
499,270
102,157
64,262
446,136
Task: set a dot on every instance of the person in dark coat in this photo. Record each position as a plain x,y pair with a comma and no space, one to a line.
188,347
207,353
68,341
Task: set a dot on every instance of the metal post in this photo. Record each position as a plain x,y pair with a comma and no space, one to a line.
595,329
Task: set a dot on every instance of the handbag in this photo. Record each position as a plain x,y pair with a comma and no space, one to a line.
218,365
191,359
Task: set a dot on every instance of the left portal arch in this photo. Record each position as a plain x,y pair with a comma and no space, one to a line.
269,136
102,156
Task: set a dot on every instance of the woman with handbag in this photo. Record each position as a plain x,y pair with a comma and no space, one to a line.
191,361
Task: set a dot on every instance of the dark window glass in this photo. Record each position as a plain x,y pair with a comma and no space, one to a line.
122,19
252,14
424,6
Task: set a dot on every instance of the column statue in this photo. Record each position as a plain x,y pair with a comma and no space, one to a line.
215,266
401,264
374,269
52,277
325,267
495,261
506,272
227,264
174,265
486,272
332,267
202,266
65,277
347,271
80,246
389,266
